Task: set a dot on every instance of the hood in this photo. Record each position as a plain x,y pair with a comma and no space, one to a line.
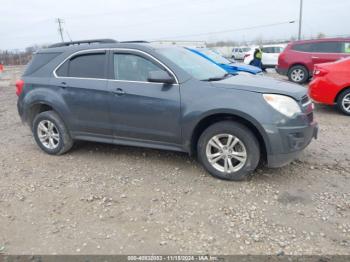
262,84
246,68
239,67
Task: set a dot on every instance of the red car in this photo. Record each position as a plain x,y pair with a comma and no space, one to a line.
298,58
331,84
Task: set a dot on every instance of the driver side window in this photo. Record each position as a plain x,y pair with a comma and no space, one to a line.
132,67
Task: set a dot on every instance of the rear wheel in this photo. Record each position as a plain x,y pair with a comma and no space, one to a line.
298,74
51,134
228,150
343,102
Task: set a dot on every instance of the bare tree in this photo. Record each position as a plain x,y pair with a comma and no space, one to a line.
321,35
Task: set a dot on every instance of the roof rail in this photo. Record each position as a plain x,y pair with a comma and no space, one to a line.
134,41
91,41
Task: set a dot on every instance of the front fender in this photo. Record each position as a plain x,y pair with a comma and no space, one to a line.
191,126
201,102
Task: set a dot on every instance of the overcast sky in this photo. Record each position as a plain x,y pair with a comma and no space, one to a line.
27,22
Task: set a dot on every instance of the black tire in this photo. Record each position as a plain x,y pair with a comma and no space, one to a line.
298,74
340,101
65,142
244,135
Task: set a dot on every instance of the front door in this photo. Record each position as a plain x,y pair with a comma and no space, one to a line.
141,110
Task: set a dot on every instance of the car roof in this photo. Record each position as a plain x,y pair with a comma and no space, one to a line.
142,45
337,39
274,45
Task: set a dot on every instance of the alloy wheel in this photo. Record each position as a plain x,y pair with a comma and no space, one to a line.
297,75
48,134
346,103
226,153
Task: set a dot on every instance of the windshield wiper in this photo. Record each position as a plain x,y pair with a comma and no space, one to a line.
217,78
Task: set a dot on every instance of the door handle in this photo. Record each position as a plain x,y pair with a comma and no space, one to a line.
63,84
119,92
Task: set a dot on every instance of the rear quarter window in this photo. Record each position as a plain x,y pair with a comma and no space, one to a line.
346,48
38,61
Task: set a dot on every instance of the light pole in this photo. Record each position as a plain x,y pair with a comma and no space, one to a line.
300,19
60,29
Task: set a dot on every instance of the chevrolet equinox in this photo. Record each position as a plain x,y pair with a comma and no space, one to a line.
140,94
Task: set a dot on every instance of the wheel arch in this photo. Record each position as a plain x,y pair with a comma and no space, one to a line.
41,100
41,106
299,64
340,92
252,124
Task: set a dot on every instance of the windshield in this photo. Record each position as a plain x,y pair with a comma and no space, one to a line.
214,56
195,65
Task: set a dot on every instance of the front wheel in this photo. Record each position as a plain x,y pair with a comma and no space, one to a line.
298,74
228,150
343,102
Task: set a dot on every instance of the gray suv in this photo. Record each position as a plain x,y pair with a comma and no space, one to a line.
140,94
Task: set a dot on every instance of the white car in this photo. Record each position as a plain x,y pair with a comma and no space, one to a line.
269,57
239,52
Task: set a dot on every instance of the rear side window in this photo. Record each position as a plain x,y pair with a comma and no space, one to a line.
84,66
267,49
278,49
321,47
327,47
272,49
38,61
302,47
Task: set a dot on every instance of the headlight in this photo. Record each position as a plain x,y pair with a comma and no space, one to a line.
283,104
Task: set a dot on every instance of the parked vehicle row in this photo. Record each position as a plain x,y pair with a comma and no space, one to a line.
270,55
331,84
231,67
165,97
238,53
298,59
327,62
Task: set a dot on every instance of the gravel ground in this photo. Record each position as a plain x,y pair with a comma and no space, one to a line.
107,199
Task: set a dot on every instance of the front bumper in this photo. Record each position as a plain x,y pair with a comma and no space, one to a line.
288,142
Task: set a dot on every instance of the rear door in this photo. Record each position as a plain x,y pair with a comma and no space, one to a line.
324,52
82,81
267,56
142,110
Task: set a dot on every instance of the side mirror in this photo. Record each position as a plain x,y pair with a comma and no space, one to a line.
160,77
